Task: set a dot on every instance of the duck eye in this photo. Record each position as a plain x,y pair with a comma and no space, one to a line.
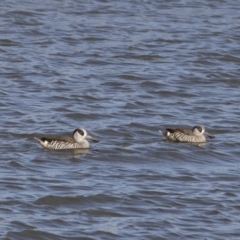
80,132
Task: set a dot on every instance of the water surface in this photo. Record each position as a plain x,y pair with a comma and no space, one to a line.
122,70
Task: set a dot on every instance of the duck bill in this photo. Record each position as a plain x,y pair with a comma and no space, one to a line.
92,138
209,135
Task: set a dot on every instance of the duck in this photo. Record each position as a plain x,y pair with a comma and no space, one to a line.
77,141
196,135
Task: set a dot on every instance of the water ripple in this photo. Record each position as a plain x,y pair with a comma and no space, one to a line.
123,71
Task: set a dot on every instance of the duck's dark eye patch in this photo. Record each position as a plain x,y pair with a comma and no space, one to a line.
80,132
199,129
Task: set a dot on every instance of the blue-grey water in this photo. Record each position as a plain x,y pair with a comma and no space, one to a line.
123,70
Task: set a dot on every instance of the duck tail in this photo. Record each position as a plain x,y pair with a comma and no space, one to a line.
38,139
162,132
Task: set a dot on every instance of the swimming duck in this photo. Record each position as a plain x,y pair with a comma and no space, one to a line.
78,140
196,135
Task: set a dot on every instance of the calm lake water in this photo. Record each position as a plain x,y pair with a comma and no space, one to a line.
123,70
